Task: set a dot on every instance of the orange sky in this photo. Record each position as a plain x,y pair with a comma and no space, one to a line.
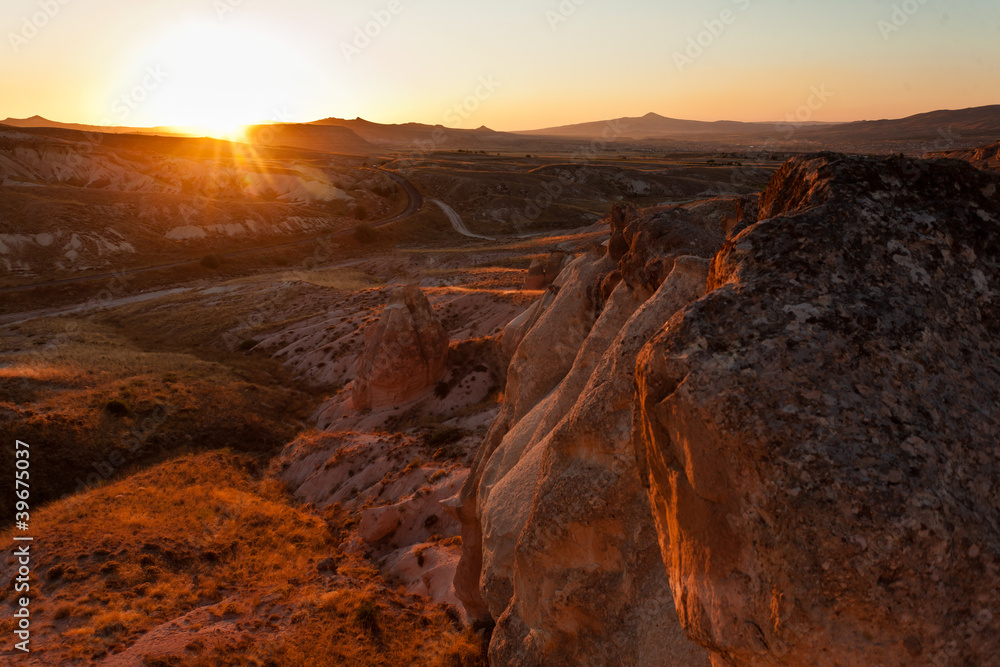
520,64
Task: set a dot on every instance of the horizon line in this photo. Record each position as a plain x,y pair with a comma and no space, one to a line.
550,127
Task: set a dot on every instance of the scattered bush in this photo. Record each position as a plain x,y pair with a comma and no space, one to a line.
212,261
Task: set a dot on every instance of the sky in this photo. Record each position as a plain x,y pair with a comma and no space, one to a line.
506,64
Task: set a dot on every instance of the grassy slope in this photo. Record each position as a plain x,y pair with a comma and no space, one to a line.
202,538
94,404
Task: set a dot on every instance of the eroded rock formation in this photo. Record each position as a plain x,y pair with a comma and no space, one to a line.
821,430
984,157
404,355
542,274
807,386
559,547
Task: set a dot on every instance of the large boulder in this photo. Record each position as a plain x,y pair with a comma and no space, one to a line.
542,274
559,545
405,353
820,431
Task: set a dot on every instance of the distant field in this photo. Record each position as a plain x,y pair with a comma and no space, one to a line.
504,195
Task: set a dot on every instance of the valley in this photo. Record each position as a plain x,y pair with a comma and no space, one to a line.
292,406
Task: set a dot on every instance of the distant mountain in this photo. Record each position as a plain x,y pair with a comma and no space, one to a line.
39,121
296,136
963,124
945,125
650,126
327,139
413,135
935,130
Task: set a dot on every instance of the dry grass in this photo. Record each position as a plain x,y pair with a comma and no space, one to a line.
94,405
339,278
201,538
483,278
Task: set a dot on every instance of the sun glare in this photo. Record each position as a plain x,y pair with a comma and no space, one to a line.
218,130
220,79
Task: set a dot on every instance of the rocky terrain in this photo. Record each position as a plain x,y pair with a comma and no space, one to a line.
95,201
795,398
745,429
503,195
984,157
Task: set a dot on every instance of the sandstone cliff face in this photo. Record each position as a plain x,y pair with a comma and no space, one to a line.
820,431
559,546
404,355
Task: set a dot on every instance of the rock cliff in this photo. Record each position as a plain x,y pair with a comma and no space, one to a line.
984,157
795,397
821,429
559,546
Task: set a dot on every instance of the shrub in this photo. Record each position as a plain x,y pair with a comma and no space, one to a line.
117,407
444,436
442,389
211,261
366,616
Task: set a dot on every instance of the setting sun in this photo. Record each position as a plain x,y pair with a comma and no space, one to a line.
217,79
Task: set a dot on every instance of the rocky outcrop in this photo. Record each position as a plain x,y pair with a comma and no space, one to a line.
559,545
820,430
984,157
404,355
394,484
542,274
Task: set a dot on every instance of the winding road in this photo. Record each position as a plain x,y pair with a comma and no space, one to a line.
457,223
